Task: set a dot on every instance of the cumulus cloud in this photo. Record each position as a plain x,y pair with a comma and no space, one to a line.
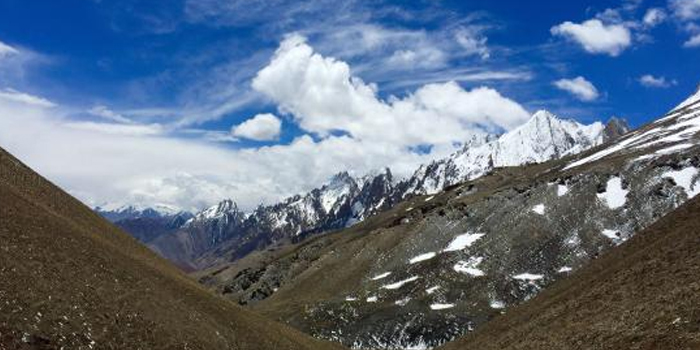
262,127
651,81
322,96
583,89
595,36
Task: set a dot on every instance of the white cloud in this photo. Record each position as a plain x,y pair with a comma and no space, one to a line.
16,96
649,80
262,127
117,129
654,17
595,36
583,89
686,10
323,97
694,41
106,113
472,42
7,50
687,14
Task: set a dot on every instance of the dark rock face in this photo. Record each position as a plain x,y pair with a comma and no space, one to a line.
146,224
615,128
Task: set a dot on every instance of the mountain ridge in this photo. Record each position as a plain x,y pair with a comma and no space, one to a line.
345,200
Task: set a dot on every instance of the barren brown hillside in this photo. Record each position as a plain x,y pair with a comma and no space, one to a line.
69,279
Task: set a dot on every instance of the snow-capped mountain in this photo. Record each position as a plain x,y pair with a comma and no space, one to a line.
436,267
116,213
543,137
223,232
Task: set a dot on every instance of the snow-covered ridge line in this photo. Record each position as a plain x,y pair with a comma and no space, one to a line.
676,136
544,137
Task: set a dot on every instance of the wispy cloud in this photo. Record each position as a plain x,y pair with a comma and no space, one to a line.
651,81
25,98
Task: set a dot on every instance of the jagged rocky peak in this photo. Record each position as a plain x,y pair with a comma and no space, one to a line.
341,178
227,206
377,175
615,127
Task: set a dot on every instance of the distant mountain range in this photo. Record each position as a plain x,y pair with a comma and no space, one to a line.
224,233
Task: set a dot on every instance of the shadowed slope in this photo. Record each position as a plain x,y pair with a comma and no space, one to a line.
68,278
642,295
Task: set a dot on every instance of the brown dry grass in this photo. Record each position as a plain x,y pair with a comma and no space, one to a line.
69,278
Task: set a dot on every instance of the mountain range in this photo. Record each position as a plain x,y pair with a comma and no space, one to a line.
224,233
437,266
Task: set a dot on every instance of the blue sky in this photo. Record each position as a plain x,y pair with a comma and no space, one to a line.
206,94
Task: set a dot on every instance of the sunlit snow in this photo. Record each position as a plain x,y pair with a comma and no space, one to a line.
562,190
539,209
400,284
614,196
381,275
403,301
463,241
432,290
612,234
528,277
422,257
469,267
495,304
685,178
441,306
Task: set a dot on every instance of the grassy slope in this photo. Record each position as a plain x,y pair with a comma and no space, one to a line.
69,278
643,295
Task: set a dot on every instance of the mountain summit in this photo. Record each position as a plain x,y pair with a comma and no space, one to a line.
543,137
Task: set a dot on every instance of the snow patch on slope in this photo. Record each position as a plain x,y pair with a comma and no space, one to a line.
422,257
686,179
469,267
463,241
400,284
614,196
